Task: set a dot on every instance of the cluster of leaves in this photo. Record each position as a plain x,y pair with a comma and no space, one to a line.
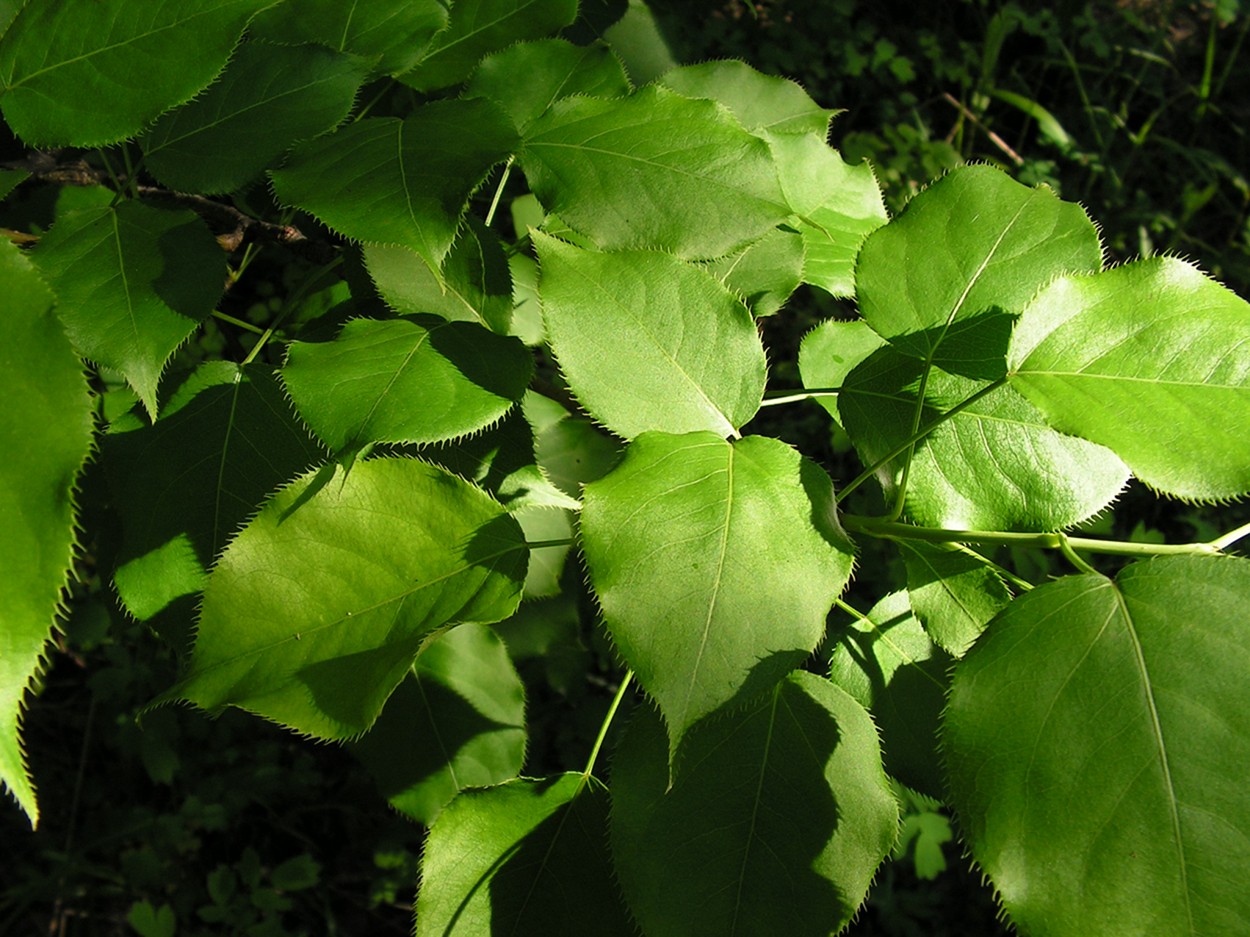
361,502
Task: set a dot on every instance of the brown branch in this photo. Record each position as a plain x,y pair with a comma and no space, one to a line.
231,227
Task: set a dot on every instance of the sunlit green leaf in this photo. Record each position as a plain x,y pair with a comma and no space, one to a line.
765,272
418,379
838,207
1150,359
995,465
774,823
132,284
269,95
714,564
391,34
479,27
892,668
1097,739
654,170
648,342
524,857
945,281
457,721
90,74
476,282
389,181
226,438
526,79
316,610
759,101
829,352
45,433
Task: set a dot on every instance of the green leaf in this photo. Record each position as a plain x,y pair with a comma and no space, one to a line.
133,283
457,721
1097,738
892,669
391,34
226,438
830,352
1149,360
296,874
525,857
775,825
760,102
418,379
390,181
648,342
45,433
150,921
96,73
317,609
838,207
765,272
996,465
953,593
715,565
654,170
945,280
526,79
476,282
271,96
480,27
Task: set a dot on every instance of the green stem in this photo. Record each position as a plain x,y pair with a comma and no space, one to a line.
224,317
503,181
1006,574
805,395
539,544
878,527
897,511
292,301
917,436
1227,540
1065,547
607,723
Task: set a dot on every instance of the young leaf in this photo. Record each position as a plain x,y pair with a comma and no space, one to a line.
457,721
391,34
526,79
1097,738
760,102
476,282
45,433
775,823
418,379
952,593
479,27
95,73
892,669
226,438
525,857
316,610
132,282
995,465
648,342
945,280
838,207
390,181
654,170
271,96
1151,360
715,565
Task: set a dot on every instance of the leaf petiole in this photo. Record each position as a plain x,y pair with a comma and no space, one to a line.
588,772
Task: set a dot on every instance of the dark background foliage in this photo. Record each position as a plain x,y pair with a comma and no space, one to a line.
1137,108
